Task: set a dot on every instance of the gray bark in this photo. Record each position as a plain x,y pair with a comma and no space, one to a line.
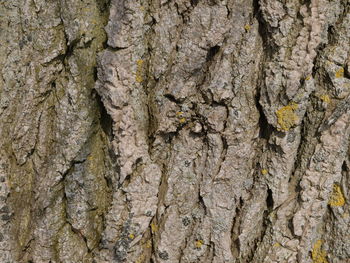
175,131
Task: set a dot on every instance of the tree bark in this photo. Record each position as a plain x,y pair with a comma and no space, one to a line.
175,131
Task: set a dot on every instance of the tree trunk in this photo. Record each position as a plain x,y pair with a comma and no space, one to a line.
175,131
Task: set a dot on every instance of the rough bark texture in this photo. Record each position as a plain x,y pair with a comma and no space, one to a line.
174,131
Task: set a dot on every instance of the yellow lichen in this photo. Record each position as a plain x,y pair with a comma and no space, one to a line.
286,117
276,244
140,259
339,73
325,98
139,78
273,215
139,63
199,243
337,197
318,255
247,28
148,244
154,227
264,171
182,120
131,236
308,77
179,115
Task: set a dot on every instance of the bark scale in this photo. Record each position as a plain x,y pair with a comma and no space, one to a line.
175,131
